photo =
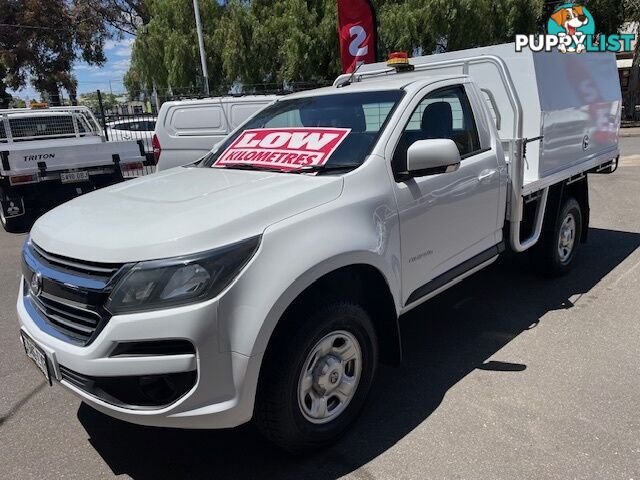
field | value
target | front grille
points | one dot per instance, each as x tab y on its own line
78	323
106	270
70	303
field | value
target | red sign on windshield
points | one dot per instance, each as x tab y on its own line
283	148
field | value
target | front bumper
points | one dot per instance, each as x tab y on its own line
225	383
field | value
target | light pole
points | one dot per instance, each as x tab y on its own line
203	56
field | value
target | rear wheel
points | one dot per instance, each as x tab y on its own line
557	249
316	376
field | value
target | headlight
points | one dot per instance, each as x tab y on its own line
177	281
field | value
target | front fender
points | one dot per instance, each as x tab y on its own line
297	251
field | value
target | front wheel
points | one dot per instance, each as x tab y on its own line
316	375
557	248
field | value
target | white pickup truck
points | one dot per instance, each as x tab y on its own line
50	155
267	282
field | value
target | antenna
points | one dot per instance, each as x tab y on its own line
353	74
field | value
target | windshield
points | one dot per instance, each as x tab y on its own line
325	132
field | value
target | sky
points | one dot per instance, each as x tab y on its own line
91	78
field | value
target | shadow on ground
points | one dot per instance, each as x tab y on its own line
444	340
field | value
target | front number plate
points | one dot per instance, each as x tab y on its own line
73	177
35	353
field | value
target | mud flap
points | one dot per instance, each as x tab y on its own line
12	207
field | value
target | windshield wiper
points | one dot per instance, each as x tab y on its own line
325	168
307	169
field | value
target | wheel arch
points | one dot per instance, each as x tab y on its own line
558	194
360	281
580	191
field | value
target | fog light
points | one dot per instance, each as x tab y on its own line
159	389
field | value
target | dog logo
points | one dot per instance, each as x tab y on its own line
572	22
572	29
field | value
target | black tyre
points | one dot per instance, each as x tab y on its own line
316	375
558	246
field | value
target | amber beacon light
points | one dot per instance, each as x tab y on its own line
399	61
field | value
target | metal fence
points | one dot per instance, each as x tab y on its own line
130	121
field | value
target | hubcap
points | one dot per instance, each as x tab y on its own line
330	377
567	238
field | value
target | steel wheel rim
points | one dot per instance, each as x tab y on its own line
567	238
330	376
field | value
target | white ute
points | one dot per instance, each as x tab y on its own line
267	281
50	155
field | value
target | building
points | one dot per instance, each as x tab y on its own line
625	60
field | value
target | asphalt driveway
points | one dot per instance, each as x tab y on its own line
507	375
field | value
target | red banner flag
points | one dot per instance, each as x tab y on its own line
358	35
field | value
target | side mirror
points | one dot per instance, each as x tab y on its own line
429	157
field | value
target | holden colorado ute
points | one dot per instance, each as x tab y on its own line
266	282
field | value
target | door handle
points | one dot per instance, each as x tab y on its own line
485	174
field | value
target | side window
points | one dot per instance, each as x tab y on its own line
148	126
367	117
83	126
285	119
375	115
445	113
197	120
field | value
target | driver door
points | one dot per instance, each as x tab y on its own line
448	221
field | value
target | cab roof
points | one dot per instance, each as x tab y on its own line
390	81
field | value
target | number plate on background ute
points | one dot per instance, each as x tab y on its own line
72	177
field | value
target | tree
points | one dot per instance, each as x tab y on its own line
5	97
165	52
109	101
40	40
430	25
283	41
278	41
17	103
124	16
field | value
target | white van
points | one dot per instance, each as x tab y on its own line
188	129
